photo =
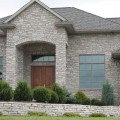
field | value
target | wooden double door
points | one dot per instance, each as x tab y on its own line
43	76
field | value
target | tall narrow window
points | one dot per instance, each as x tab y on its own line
92	71
1	68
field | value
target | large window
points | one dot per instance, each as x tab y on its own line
1	68
92	71
43	58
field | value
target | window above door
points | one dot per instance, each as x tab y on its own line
43	58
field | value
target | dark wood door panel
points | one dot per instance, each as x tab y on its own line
50	76
43	76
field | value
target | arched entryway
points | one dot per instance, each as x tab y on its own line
39	63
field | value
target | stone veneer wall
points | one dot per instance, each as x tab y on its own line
34	25
93	44
3	53
22	108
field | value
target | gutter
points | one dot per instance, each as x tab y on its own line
71	30
4	28
7	26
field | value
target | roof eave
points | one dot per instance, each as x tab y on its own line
7	26
71	30
67	25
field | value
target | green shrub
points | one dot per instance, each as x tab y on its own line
71	114
37	114
22	92
60	92
81	98
41	94
98	115
86	101
1	114
108	94
6	92
70	98
96	102
54	97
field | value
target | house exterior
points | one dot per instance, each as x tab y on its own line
67	46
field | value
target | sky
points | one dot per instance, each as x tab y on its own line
103	8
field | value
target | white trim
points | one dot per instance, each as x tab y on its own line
28	4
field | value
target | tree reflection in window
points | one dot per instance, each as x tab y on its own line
43	58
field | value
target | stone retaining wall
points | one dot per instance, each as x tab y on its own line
22	108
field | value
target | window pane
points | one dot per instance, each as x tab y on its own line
1	60
82	59
85	66
85	85
52	58
85	73
97	85
98	73
92	71
98	79
46	58
92	59
98	67
101	58
43	58
89	59
85	79
40	59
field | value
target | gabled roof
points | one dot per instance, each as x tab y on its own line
28	4
83	22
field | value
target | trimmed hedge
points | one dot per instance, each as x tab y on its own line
22	92
6	92
54	97
97	102
81	98
60	92
41	94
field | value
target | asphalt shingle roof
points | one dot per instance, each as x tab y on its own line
116	20
84	21
4	19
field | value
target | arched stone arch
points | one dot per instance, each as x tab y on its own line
20	60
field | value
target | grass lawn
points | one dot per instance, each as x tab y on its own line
51	118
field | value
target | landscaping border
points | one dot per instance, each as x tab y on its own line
22	108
